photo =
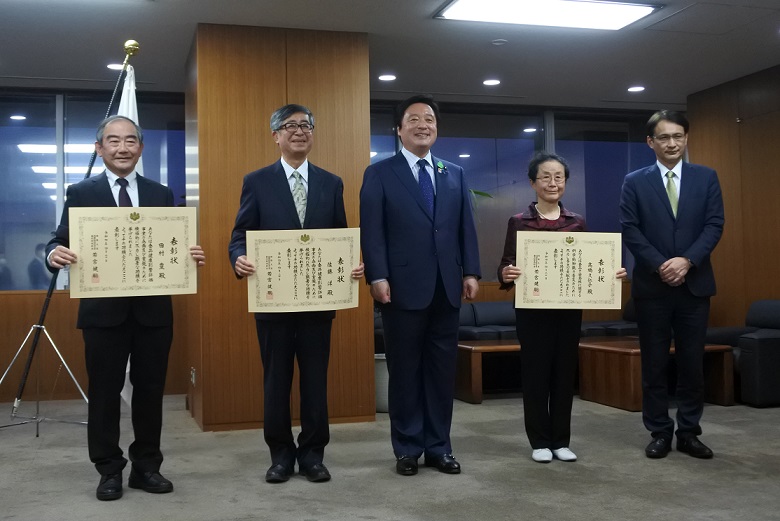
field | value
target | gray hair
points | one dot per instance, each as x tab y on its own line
103	124
281	114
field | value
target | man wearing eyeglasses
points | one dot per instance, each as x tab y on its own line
672	218
292	194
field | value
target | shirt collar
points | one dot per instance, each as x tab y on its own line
412	159
303	169
677	169
112	177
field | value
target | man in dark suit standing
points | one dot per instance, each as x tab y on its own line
672	218
292	194
36	269
420	249
115	329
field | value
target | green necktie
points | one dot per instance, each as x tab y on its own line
671	191
299	196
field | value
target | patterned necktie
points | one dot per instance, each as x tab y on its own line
671	191
124	196
299	196
426	186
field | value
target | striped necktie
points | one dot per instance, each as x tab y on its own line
671	191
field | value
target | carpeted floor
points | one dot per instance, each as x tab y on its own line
219	476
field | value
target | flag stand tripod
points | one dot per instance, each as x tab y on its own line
131	47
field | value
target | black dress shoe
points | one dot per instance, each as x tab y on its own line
317	473
658	448
278	473
110	487
692	446
406	466
149	482
445	463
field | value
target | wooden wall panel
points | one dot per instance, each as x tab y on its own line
714	138
735	128
760	156
48	379
238	77
328	72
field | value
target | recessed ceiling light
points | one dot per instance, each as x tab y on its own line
115	66
499	41
490	83
529	130
636	88
465	155
18	117
555	13
387	77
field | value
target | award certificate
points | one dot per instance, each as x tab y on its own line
303	270
568	270
130	252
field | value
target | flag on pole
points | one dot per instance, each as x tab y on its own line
128	107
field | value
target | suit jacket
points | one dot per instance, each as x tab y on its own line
155	311
403	243
267	204
654	235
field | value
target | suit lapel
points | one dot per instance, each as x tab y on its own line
653	176
101	191
314	194
687	180
442	191
405	176
280	185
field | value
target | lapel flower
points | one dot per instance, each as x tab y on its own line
440	167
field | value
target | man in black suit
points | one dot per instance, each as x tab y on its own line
292	194
420	248
672	218
115	329
36	269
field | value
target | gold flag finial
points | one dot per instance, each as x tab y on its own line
131	48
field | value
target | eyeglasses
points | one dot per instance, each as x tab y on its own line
665	138
293	127
559	179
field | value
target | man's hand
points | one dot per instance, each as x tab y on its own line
470	288
198	255
621	273
673	271
380	291
61	257
243	267
357	273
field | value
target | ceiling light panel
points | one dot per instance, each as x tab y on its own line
551	13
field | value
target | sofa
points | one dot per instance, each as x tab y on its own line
756	353
496	321
625	327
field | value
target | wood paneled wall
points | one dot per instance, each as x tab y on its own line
735	129
238	77
48	379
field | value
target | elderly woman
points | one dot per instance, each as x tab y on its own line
549	337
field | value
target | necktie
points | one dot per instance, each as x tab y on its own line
426	186
671	191
299	196
124	196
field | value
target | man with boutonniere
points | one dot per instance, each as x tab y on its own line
420	251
